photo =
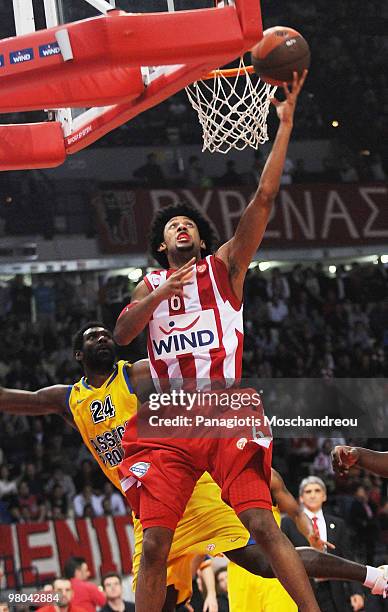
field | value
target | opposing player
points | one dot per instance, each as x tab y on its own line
344	457
99	405
210	308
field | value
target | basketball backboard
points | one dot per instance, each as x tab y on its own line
115	59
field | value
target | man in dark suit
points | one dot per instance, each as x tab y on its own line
332	596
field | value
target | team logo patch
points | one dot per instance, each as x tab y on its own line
210	547
241	443
140	469
201	269
155	280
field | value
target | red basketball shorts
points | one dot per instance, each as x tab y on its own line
158	475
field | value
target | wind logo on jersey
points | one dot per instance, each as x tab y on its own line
184	333
140	469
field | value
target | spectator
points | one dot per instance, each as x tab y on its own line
59	478
87	498
362	518
31	503
112	585
231	178
63	588
277	310
87	596
116	500
195	174
222	589
150	174
7	486
332	596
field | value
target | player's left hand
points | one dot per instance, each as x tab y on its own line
286	108
316	542
210	604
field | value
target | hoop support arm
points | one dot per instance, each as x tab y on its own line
31	145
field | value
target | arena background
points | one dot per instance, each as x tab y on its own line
73	245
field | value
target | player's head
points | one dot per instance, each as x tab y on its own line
178	230
94	347
62	586
76	567
111	583
312	493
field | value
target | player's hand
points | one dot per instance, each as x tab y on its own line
316	542
210	604
286	108
178	280
343	457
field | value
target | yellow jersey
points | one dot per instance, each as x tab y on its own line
101	414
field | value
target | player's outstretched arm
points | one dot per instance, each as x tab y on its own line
50	400
137	314
238	253
343	457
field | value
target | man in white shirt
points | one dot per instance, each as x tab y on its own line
331	596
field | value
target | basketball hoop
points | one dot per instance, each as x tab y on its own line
232	107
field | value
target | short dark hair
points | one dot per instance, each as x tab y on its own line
164	215
78	338
71	565
110	575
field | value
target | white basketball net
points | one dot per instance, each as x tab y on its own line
232	110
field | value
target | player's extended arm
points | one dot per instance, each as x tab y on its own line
50	400
238	252
344	457
137	314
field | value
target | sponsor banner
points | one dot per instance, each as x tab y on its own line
303	216
22	55
49	49
105	542
259	408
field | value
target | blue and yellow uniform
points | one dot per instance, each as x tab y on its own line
208	525
101	414
249	592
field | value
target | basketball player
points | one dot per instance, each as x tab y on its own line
343	457
99	405
159	475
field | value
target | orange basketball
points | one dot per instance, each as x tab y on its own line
280	52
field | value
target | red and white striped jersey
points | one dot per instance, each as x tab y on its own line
198	337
